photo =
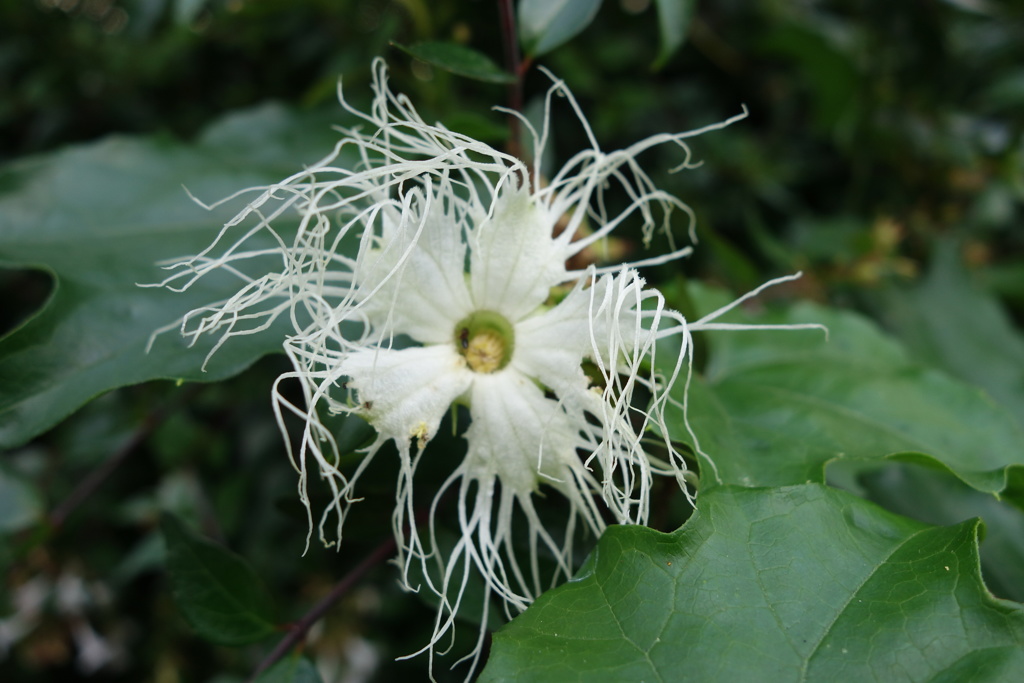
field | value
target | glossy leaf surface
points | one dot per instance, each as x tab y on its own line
791	584
98	218
775	406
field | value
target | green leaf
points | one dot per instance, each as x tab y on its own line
216	590
673	22
459	59
775	406
938	498
804	583
951	323
98	218
546	24
21	506
291	670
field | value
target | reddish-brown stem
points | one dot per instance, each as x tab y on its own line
515	66
298	630
97	477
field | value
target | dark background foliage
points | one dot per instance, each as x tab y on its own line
880	135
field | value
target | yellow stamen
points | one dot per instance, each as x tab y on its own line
421	432
486	340
485	352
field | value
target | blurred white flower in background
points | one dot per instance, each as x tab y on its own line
436	272
71	601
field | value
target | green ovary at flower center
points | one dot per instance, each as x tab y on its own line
486	340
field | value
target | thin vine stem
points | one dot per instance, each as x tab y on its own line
515	66
299	629
99	476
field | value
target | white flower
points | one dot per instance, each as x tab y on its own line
460	293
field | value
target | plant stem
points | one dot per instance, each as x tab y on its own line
299	629
97	477
510	42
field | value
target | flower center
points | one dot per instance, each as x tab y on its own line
486	340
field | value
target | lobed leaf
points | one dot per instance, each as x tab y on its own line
938	498
774	407
97	218
948	321
789	584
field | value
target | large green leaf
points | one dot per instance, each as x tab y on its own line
950	322
98	218
790	584
546	24
938	498
216	590
775	406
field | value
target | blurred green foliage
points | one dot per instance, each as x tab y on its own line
880	135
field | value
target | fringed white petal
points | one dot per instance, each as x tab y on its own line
517	434
447	227
405	393
551	346
513	260
412	278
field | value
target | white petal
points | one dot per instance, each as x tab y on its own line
517	434
514	261
405	393
414	283
551	346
